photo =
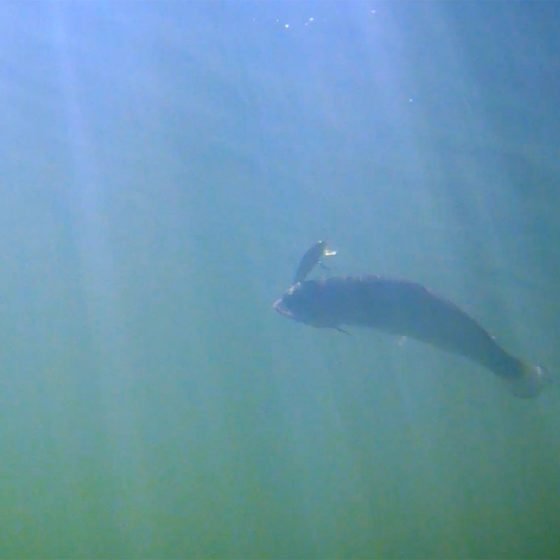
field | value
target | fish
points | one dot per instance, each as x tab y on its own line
407	309
310	259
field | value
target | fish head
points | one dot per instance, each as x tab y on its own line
304	302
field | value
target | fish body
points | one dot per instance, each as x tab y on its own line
404	308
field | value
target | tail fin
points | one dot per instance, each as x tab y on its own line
531	381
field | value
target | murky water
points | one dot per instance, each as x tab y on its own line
165	165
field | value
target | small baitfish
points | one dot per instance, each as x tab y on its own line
311	258
406	309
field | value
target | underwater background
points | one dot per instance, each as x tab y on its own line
164	167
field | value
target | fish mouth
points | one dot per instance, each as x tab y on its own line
281	308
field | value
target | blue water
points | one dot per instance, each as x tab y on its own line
164	167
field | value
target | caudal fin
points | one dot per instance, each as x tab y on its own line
531	381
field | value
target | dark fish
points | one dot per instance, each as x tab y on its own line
406	309
310	259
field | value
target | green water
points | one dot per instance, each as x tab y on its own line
164	167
